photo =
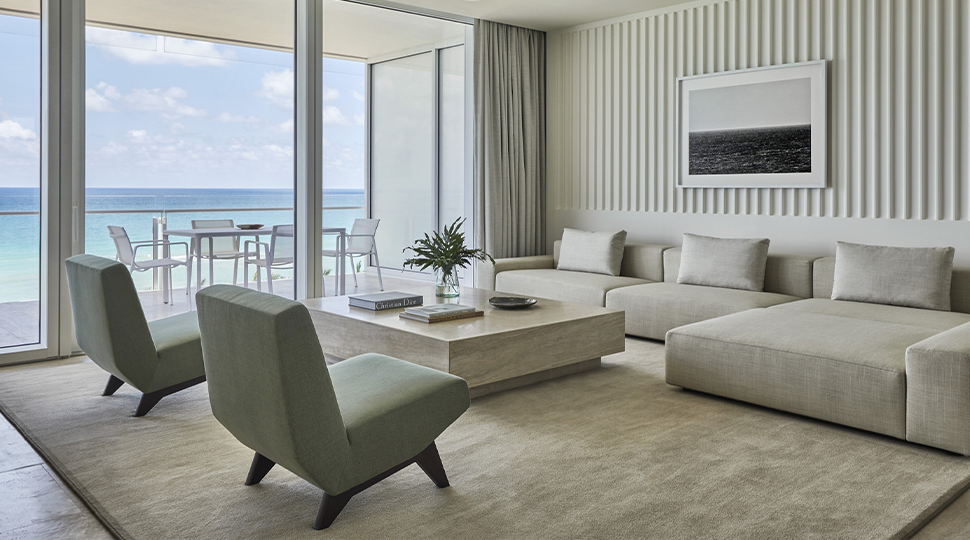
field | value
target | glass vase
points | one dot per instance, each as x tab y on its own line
446	282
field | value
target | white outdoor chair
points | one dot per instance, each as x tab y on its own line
127	253
224	248
277	255
360	243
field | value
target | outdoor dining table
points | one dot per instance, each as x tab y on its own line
197	235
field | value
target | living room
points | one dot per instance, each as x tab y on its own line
693	269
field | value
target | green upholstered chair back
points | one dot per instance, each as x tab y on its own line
269	384
108	319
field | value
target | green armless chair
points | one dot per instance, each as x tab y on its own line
158	358
342	428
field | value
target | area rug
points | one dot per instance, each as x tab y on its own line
610	453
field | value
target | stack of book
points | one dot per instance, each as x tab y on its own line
385	300
440	313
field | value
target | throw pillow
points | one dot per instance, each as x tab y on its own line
911	277
732	263
594	252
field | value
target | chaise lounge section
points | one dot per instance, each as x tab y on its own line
899	371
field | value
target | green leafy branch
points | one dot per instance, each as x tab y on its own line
445	250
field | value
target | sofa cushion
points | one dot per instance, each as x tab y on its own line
826	367
784	274
579	287
912	277
655	308
594	252
735	263
644	261
923	318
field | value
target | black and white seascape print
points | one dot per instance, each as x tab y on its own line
761	128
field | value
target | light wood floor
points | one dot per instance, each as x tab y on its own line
36	504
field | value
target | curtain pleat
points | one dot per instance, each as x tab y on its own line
510	133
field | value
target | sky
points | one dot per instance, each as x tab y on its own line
174	113
776	103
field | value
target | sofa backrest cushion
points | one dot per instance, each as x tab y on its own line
896	276
784	274
593	252
732	263
824	279
642	261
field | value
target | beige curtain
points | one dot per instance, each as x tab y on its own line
510	139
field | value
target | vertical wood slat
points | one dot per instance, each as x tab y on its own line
898	106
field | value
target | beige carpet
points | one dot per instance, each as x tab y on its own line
612	453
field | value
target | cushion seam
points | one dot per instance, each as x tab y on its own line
762	347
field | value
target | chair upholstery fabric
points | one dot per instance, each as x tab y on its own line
562	285
269	385
111	328
938	391
851	374
654	309
644	261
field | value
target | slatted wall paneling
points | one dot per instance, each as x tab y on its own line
899	106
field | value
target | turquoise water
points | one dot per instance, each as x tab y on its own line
20	235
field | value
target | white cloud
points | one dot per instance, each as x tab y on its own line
286	126
358	96
13	130
156	50
277	87
331	94
112	149
165	102
93	101
334	116
233	119
279	151
139	136
359	119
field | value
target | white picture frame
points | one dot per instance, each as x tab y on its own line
748	128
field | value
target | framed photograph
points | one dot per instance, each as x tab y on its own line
754	128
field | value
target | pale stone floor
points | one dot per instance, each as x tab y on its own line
35	504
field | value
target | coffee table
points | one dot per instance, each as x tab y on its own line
502	350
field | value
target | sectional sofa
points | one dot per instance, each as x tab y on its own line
898	371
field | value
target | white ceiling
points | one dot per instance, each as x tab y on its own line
543	14
350	29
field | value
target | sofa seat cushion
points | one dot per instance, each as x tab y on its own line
923	318
655	308
852	372
562	285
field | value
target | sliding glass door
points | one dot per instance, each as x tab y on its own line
418	153
21	243
402	152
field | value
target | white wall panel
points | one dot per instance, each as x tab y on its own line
899	106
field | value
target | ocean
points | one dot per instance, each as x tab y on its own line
772	150
20	235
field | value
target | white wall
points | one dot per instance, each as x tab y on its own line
899	122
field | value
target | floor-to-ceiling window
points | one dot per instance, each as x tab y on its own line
184	133
411	92
20	194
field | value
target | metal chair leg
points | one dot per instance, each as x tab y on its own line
353	270
235	269
377	262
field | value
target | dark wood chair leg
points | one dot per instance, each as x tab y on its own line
430	463
261	465
150	400
330	508
114	383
